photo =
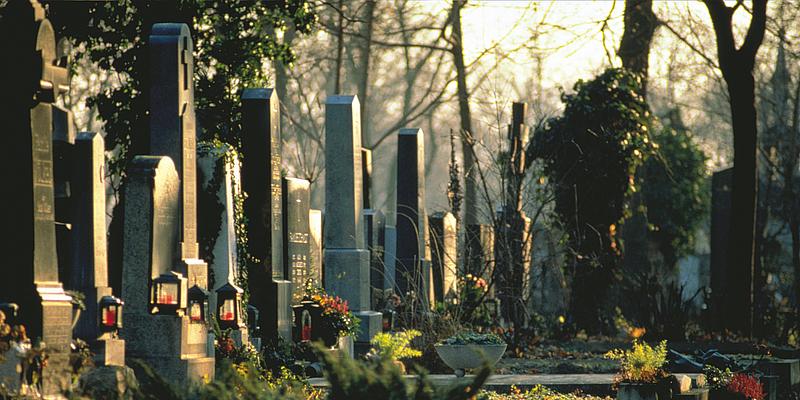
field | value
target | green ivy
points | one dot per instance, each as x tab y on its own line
590	155
676	192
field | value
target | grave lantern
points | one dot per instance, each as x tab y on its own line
253	317
198	304
168	294
305	314
110	314
229	298
388	320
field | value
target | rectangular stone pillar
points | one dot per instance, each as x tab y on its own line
270	291
346	260
412	271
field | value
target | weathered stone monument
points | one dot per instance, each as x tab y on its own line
444	256
156	327
346	260
31	82
270	291
512	246
390	256
89	258
184	352
218	168
296	243
412	271
315	246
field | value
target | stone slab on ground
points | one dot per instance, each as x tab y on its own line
596	384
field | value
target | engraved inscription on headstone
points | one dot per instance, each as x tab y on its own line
296	246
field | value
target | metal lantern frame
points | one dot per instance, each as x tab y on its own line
233	294
197	297
161	303
110	306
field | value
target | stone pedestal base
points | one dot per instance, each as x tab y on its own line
347	276
109	352
173	346
371	324
276	319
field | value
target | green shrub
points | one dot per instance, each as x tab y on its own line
641	363
395	346
473	338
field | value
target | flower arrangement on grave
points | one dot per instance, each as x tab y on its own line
735	384
336	317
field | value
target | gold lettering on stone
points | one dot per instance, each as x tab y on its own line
298	237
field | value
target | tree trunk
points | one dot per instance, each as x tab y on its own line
737	68
470	174
337	87
363	79
634	48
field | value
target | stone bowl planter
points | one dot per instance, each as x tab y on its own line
461	357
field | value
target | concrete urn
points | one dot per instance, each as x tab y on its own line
461	357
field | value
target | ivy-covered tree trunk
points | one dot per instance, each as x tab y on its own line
737	69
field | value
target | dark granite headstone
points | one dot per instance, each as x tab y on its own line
512	254
412	271
366	177
444	256
296	200
270	291
346	260
31	82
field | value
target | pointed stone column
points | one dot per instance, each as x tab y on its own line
413	272
346	260
270	291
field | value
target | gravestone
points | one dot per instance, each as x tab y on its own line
172	344
90	273
218	168
172	133
512	255
270	291
479	252
346	261
390	257
31	83
374	239
296	200
412	271
721	186
315	246
444	256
